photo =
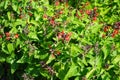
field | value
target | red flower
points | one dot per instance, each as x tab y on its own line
81	11
0	36
87	3
106	28
88	12
63	32
21	16
52	22
57	3
7	34
67	36
61	12
95	8
30	14
77	15
58	52
53	56
7	38
103	36
96	14
44	16
59	35
115	31
94	18
62	35
16	36
113	35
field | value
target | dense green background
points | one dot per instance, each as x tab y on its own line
59	40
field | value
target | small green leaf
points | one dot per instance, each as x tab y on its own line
10	47
2	59
4	49
74	35
8	14
116	59
74	50
99	61
104	11
14	67
106	76
33	35
84	61
40	55
72	71
19	22
49	34
90	73
34	22
51	58
6	4
96	28
105	51
14	7
18	42
77	78
23	59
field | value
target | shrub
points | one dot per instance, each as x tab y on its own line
62	41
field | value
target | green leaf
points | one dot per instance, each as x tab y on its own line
2	59
10	59
105	51
90	73
6	4
59	20
72	71
34	22
19	22
51	58
24	59
116	59
14	7
37	17
14	67
74	50
104	11
77	78
10	47
96	28
99	62
40	55
2	4
14	30
79	62
17	43
74	35
33	35
8	14
106	76
85	41
84	61
4	49
49	34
